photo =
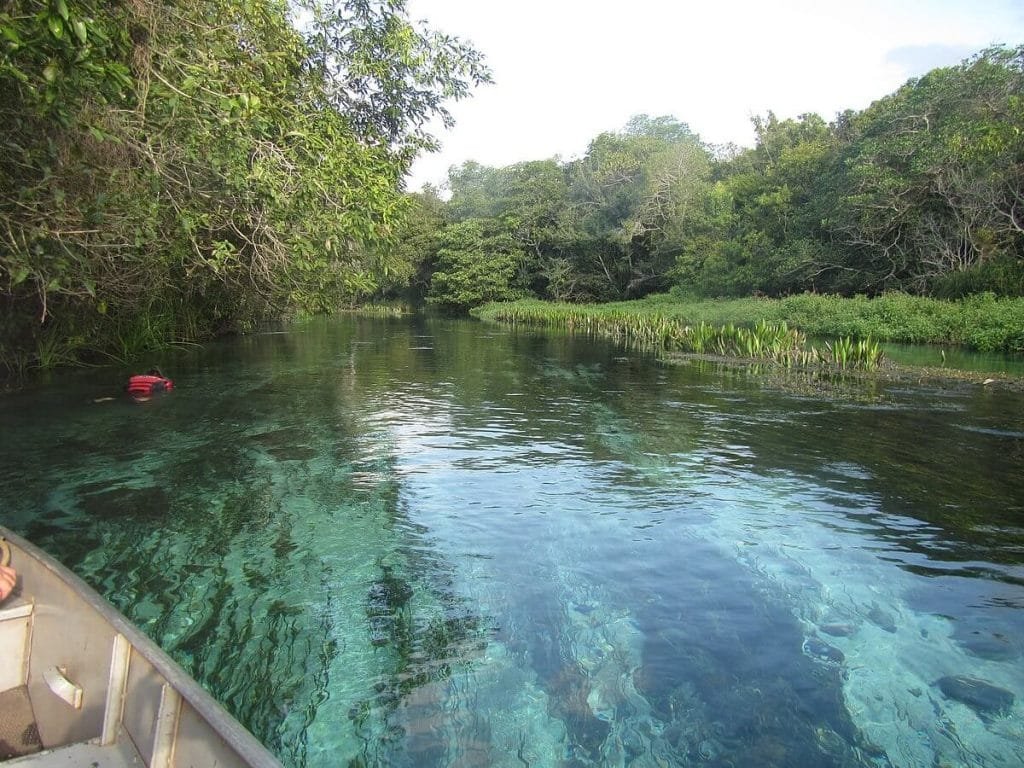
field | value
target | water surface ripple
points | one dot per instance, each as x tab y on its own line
437	543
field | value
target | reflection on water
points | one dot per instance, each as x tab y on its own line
440	543
952	356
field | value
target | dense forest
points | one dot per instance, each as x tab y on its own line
922	192
171	171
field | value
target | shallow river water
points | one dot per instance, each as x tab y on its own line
440	543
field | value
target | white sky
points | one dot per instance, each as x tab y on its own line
566	70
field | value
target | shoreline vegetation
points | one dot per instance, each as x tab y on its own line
177	172
159	189
776	331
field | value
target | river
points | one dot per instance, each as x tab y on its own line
427	542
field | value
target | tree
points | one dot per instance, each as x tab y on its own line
760	227
625	195
417	240
386	75
476	191
170	170
473	267
934	175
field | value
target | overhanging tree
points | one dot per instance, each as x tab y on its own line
171	169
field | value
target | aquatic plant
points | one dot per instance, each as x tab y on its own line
846	353
388	309
635	325
984	321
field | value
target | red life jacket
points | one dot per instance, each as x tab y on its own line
145	385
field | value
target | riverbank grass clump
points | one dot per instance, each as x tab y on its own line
382	309
983	322
641	324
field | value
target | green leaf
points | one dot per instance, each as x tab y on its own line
56	26
11	34
19	275
62	9
78	27
50	72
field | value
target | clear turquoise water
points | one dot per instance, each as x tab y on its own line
439	543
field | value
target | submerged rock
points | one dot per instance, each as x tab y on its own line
882	618
819	649
984	698
992	646
839	629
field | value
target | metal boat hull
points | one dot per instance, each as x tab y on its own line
96	684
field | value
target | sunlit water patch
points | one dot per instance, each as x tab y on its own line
414	544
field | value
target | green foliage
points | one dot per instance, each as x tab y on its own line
921	192
56	57
528	202
630	200
414	252
473	268
643	324
983	322
387	76
846	353
763	228
169	171
1002	275
930	182
603	227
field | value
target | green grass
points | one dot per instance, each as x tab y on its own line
983	322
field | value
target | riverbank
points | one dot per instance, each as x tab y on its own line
983	322
667	324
